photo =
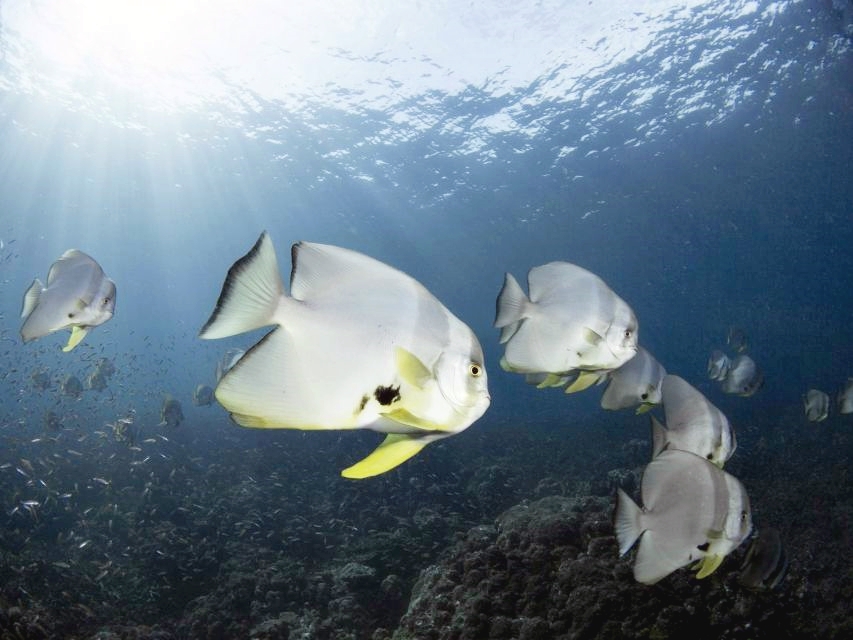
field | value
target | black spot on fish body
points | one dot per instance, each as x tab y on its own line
386	395
363	403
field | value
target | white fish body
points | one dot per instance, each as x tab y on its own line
744	377
692	512
718	365
637	382
359	344
816	405
572	320
78	296
692	424
845	398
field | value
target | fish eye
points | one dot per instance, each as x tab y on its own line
644	396
71	314
475	370
628	333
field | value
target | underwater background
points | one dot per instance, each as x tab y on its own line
698	156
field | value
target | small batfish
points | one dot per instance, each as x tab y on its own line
71	386
40	380
816	405
766	562
203	396
744	378
637	382
718	365
358	345
692	424
96	381
171	413
737	340
78	296
571	321
845	398
693	512
106	367
228	360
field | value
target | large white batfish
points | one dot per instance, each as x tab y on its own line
637	383
692	424
693	512
360	345
572	321
78	296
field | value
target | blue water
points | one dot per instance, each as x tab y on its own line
707	176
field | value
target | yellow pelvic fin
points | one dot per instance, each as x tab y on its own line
395	449
709	564
552	380
584	381
644	408
409	419
411	369
77	334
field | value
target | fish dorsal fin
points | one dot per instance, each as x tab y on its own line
659	437
77	334
62	263
584	380
250	295
411	368
31	298
395	449
320	270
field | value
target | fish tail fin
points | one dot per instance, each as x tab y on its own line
77	335
627	522
250	295
659	440
395	449
511	307
31	298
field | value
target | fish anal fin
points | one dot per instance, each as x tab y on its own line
395	450
411	368
77	334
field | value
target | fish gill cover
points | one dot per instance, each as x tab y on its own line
694	155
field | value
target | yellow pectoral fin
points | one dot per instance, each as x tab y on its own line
77	334
394	451
709	564
584	381
411	369
411	420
